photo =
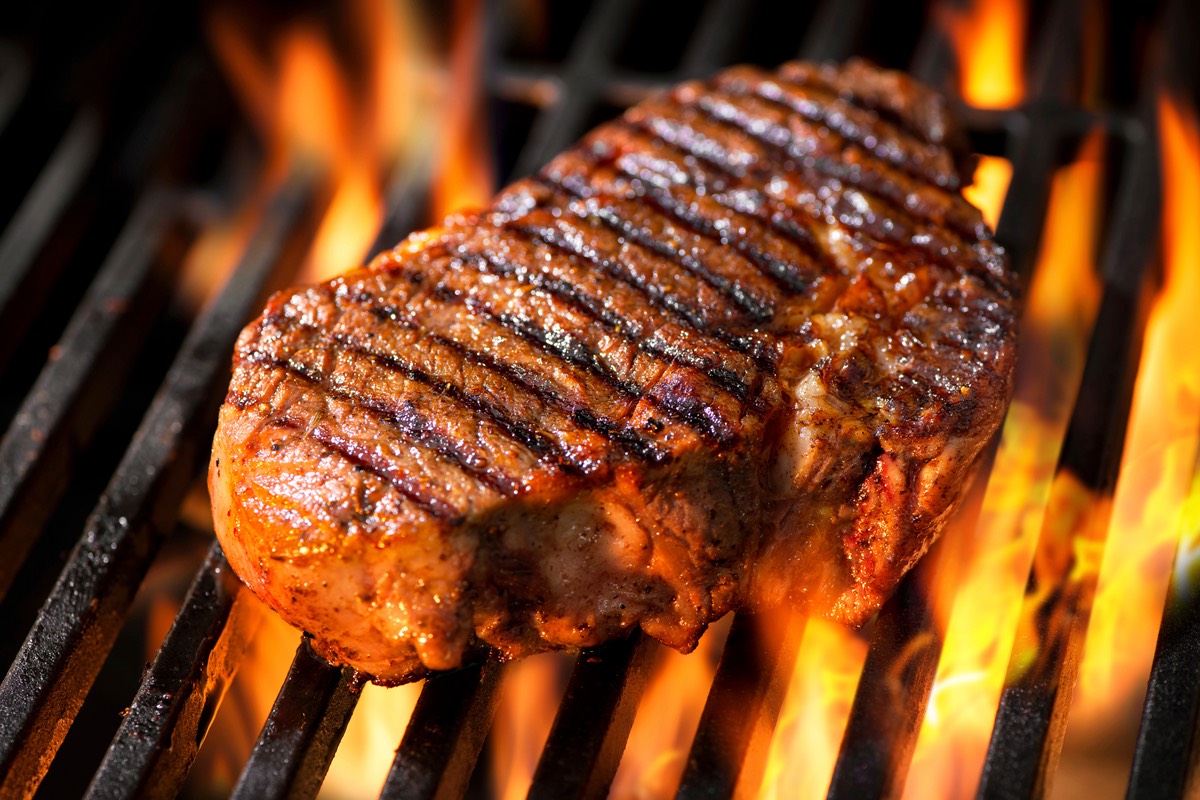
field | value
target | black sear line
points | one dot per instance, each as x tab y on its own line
628	439
413	425
570	350
616	324
756	310
436	506
781	221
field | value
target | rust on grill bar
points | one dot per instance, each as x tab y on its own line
121	140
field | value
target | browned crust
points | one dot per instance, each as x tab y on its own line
743	344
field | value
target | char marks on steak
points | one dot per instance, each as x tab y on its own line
742	345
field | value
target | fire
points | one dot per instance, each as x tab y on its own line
1061	308
992	176
989	37
815	712
464	177
367	748
354	127
667	718
352	94
1160	450
532	690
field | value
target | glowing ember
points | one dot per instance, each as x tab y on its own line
988	36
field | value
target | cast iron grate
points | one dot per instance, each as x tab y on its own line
151	146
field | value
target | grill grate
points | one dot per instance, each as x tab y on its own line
160	170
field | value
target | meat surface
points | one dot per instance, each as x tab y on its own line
741	346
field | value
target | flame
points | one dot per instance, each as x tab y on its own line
1160	449
667	718
464	174
987	193
1061	308
532	690
989	38
311	109
815	712
368	747
351	93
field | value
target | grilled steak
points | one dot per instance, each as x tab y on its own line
742	345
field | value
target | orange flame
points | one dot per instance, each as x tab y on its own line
359	110
1061	308
987	193
523	719
815	712
1160	451
310	109
464	175
989	38
667	718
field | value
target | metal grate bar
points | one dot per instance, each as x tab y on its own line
14	79
302	733
577	85
75	629
715	35
892	695
31	225
835	30
729	752
593	722
1031	720
80	382
445	734
1164	763
160	735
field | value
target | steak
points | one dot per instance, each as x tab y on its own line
741	346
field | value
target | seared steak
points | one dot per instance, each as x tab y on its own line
741	345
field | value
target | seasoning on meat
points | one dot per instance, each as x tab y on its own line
741	346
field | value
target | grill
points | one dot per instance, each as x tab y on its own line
118	157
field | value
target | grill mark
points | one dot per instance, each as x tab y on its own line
884	202
848	130
629	440
781	220
687	316
614	323
949	209
779	271
811	79
621	435
889	196
350	450
755	310
413	426
575	352
539	443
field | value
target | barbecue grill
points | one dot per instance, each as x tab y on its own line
117	156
